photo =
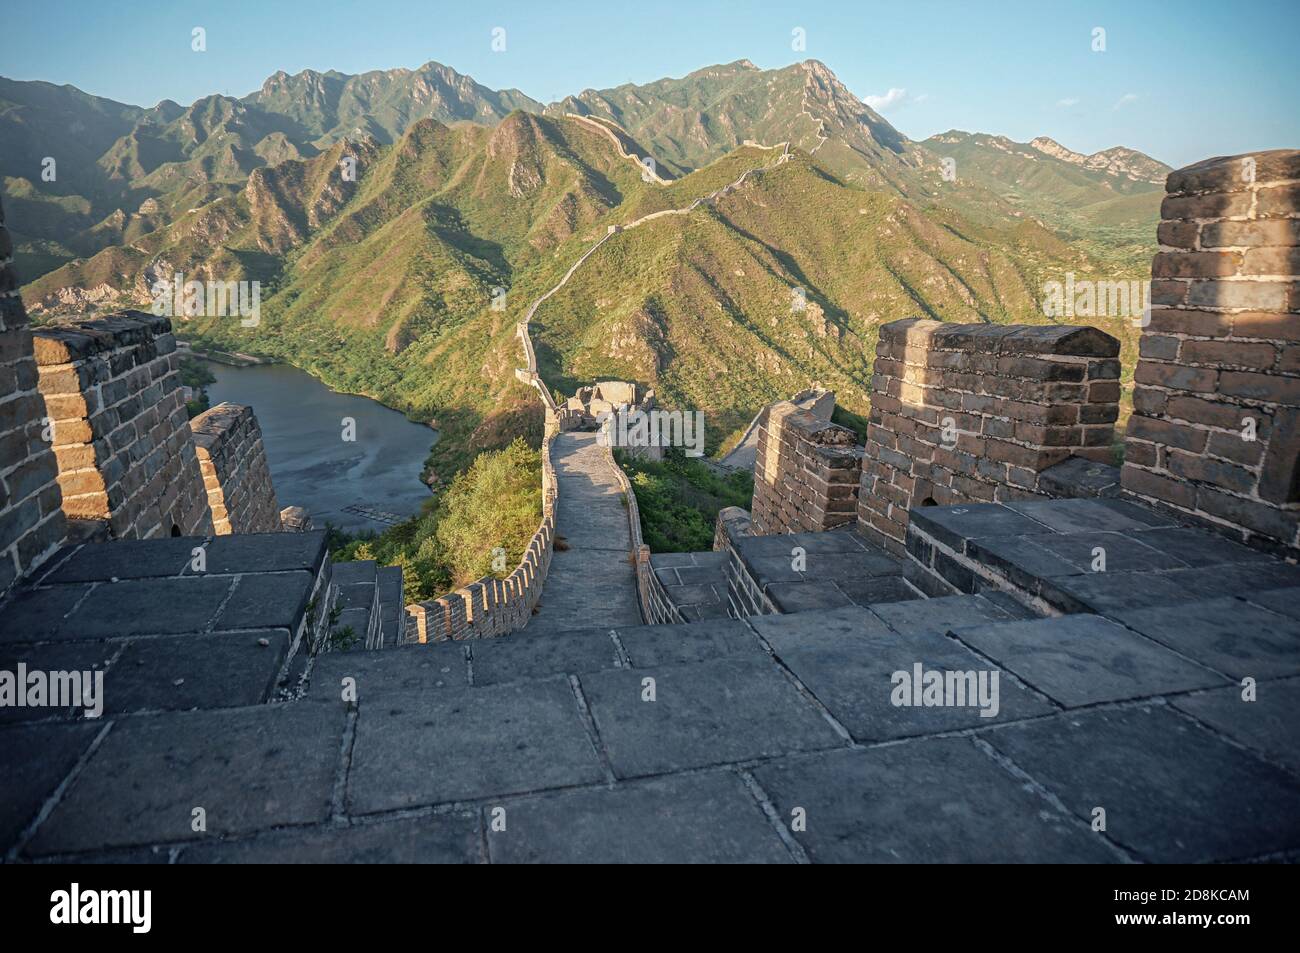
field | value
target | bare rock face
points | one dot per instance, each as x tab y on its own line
640	341
1117	161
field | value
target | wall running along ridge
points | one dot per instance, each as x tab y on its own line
32	524
490	606
232	459
1215	431
976	412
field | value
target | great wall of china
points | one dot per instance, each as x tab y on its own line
980	527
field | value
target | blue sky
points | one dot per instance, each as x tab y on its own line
1178	80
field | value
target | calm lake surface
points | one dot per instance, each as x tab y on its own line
311	464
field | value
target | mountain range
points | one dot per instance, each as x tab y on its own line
811	220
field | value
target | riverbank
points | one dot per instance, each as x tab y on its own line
350	460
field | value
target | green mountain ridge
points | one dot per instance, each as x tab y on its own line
407	284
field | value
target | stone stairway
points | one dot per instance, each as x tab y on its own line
370	602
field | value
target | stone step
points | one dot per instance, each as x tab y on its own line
392	608
523	657
357	599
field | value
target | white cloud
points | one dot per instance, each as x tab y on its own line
893	98
1126	99
1070	101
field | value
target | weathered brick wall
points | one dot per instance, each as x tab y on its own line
123	442
975	412
31	518
806	472
1215	432
232	458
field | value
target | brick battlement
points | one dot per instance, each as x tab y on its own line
228	440
976	412
806	472
120	432
32	524
1215	432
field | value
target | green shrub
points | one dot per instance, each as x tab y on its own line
679	499
495	503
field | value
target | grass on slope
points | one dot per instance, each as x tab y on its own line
679	499
484	522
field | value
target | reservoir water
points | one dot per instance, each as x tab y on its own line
311	464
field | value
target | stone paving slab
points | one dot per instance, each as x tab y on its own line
768	570
177	673
869	591
1085	659
703	818
705	611
700	575
731	709
407	668
432	839
671	560
356	595
268	600
1237	579
1085	516
690	594
938	800
1269	724
806	596
123	559
1172	792
265	552
249	768
756	547
525	656
34	615
150	607
353	572
36	759
953	525
939	615
1282	601
649	646
358	621
847	659
56	657
1109	592
1122	553
389	580
1196	547
1021	560
1228	635
424	748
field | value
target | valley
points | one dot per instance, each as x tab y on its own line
401	223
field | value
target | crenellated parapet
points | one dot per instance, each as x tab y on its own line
119	426
232	458
32	524
1215	431
965	413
